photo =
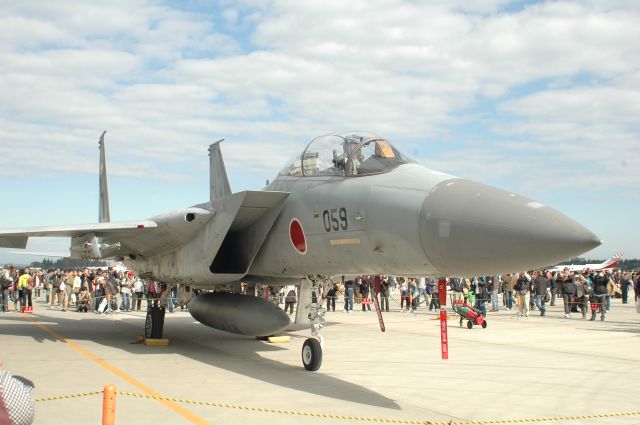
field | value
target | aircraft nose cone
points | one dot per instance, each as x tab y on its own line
470	229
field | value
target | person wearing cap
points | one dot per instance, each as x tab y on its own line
16	403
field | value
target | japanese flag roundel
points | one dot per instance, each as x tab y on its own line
296	235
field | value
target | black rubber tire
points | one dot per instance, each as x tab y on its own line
148	325
484	324
469	324
311	354
154	323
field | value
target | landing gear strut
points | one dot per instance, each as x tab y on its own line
312	347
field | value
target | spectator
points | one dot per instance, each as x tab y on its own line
6	281
493	286
290	301
348	296
25	286
422	292
84	300
482	294
98	294
568	290
625	282
331	297
599	297
138	290
582	294
509	286
126	288
56	296
68	289
540	284
384	293
111	289
365	289
612	288
457	288
523	285
152	298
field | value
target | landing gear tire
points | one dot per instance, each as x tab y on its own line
469	324
312	354
154	323
484	324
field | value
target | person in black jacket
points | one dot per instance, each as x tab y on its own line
599	295
522	288
540	284
568	290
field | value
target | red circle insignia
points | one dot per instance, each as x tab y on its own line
296	235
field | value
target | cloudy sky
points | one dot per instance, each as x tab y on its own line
541	98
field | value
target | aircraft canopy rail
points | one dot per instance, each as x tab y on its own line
349	154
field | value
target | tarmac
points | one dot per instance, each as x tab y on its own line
535	370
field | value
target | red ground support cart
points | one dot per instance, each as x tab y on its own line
473	315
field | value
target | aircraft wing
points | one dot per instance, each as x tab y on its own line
18	237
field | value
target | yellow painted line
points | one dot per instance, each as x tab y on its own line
335	242
191	417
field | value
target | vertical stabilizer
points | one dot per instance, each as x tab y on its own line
218	181
104	215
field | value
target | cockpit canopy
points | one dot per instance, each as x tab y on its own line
345	154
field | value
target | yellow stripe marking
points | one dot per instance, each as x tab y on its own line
335	242
191	417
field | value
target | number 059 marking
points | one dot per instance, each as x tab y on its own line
335	219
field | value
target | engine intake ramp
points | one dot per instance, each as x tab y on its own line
247	231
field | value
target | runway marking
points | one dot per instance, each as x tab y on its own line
353	418
151	393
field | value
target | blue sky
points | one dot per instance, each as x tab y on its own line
540	98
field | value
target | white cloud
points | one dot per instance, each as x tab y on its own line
532	82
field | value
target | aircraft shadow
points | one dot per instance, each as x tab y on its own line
235	353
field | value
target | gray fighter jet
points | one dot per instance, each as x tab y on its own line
350	203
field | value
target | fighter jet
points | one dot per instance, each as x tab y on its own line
349	203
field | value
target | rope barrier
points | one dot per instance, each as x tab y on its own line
345	417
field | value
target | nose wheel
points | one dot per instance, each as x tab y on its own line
312	354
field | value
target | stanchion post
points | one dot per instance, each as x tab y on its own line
109	405
444	339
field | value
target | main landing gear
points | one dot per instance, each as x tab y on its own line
154	323
312	347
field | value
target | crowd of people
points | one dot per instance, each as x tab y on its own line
105	291
101	291
580	291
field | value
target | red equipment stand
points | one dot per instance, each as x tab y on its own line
26	309
444	338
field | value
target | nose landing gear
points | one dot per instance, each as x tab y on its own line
312	347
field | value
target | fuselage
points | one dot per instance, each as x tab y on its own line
413	221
